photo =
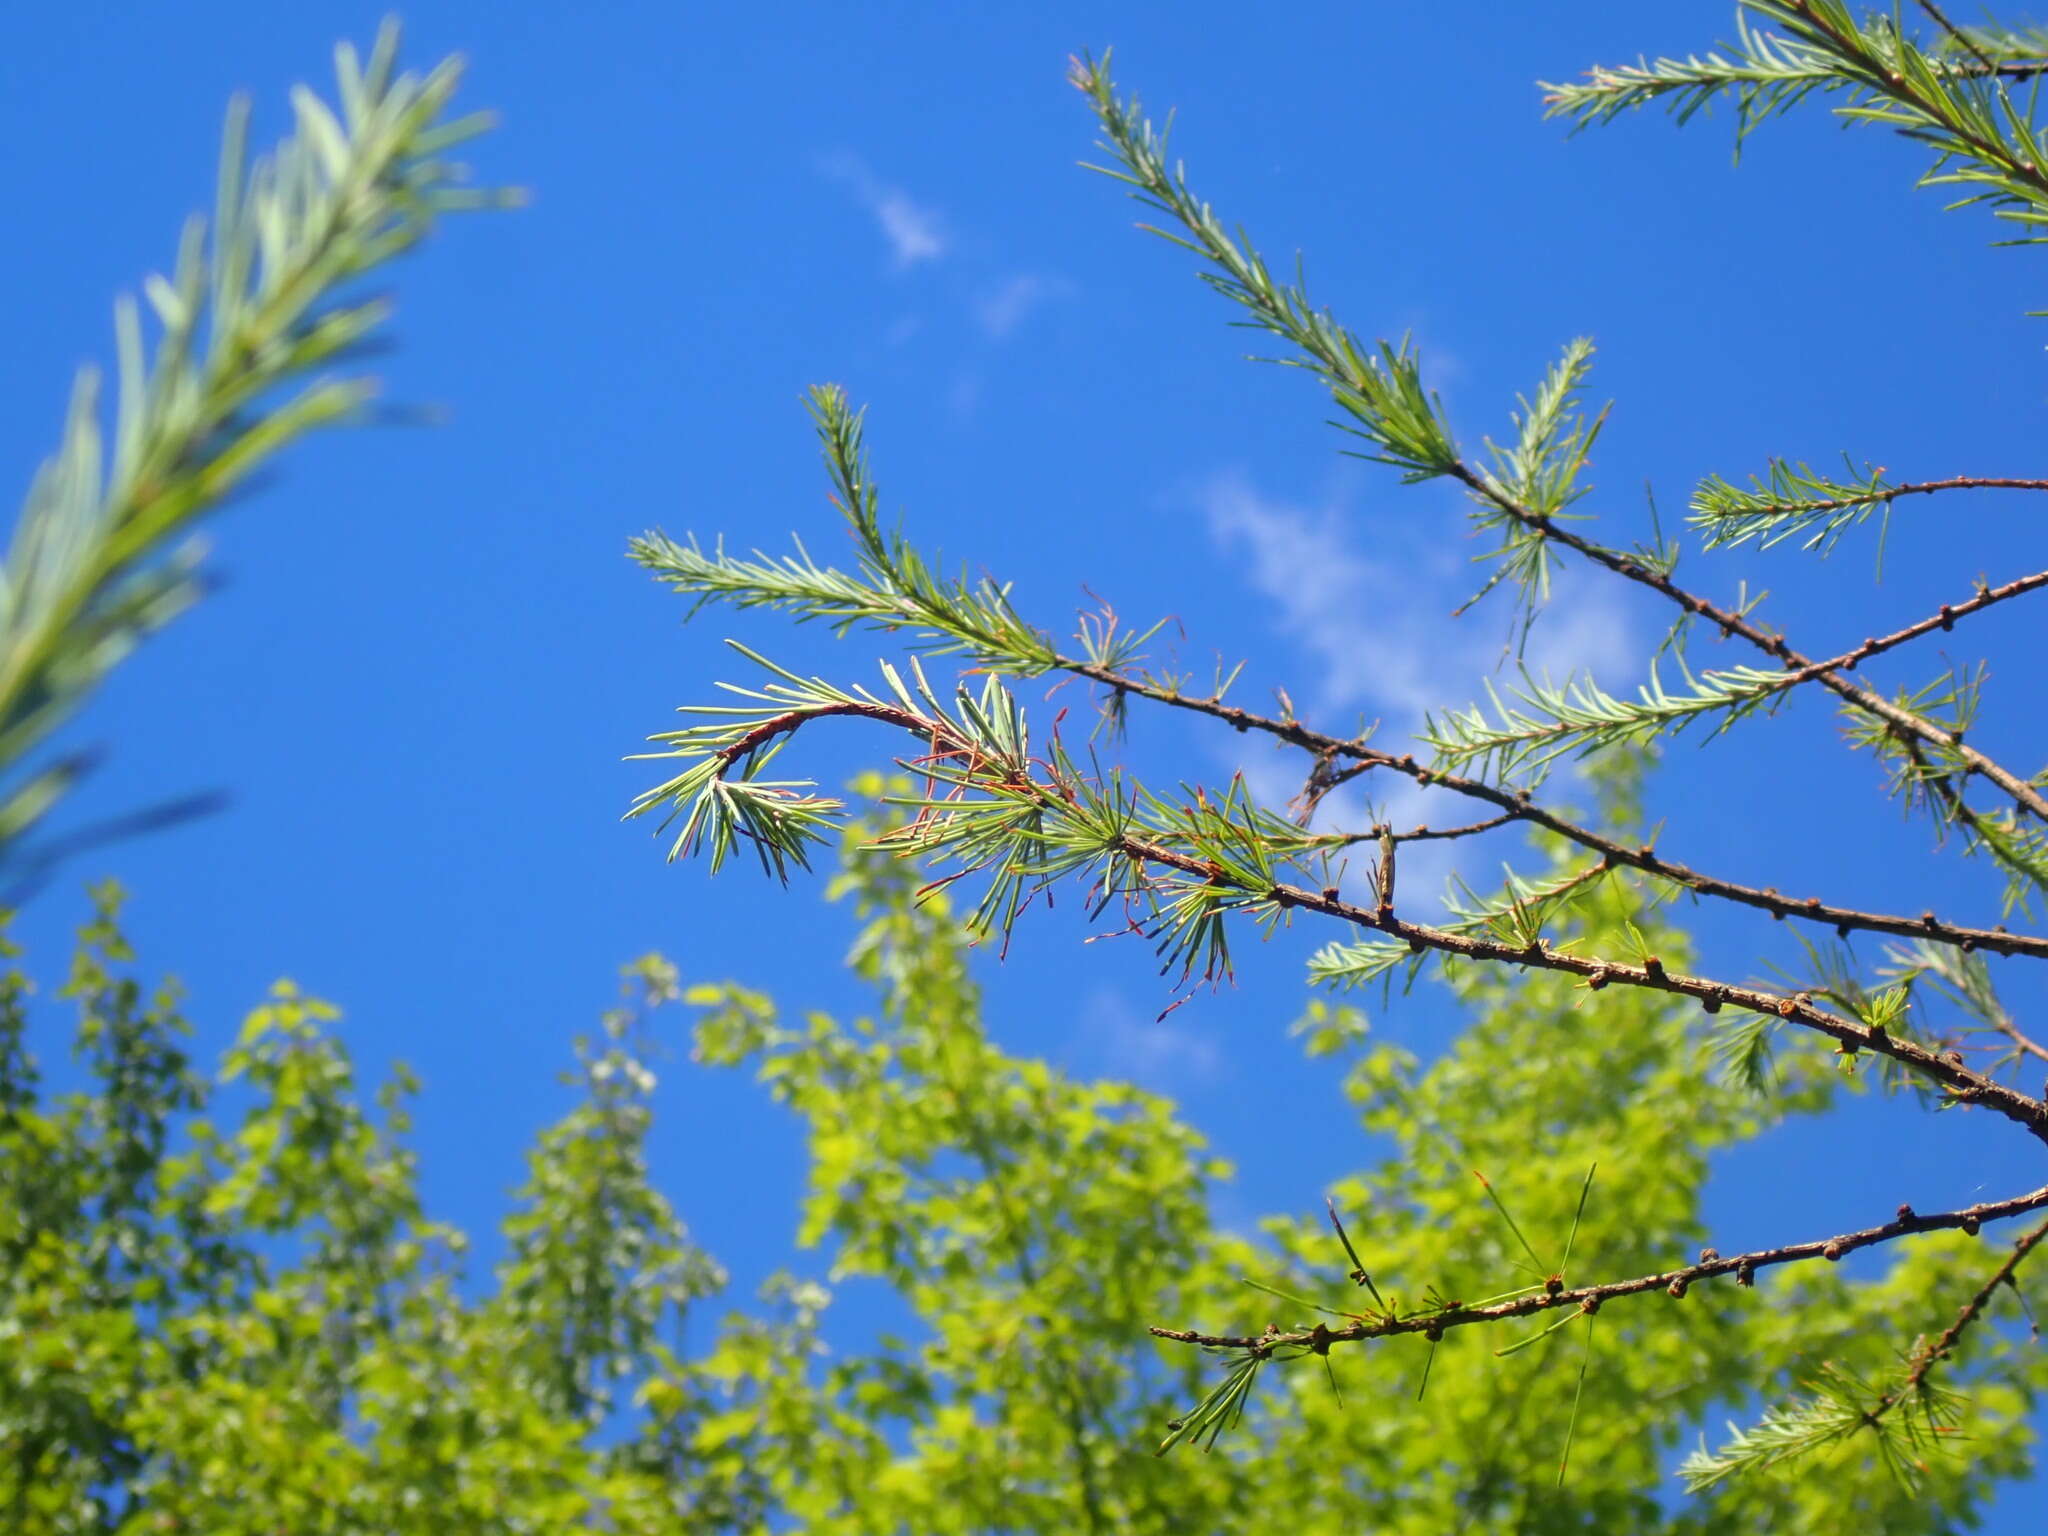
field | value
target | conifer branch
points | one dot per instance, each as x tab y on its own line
96	563
1981	140
1181	870
1435	1320
1799	668
896	588
1768	75
1520	805
1966	980
1791	500
1019	816
1837	1407
1943	619
1579	718
1358	962
1925	1359
1524	498
980	621
1380	387
1906	1418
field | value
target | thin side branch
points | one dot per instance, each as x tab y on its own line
1959	37
1944	618
2022	1044
1926	1359
1891	493
1434	1322
1799	667
1421	834
1518	804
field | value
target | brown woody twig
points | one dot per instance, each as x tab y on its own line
1894	492
1674	1282
1732	622
1522	807
1962	39
1926	1358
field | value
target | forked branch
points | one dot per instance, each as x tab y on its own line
1027	821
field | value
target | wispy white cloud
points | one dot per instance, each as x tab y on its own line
914	232
1378	625
1375	628
1005	307
1359	618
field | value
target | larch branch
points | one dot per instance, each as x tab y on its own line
1643	857
1674	1282
1946	1069
1924	1360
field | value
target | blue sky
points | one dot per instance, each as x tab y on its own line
430	656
